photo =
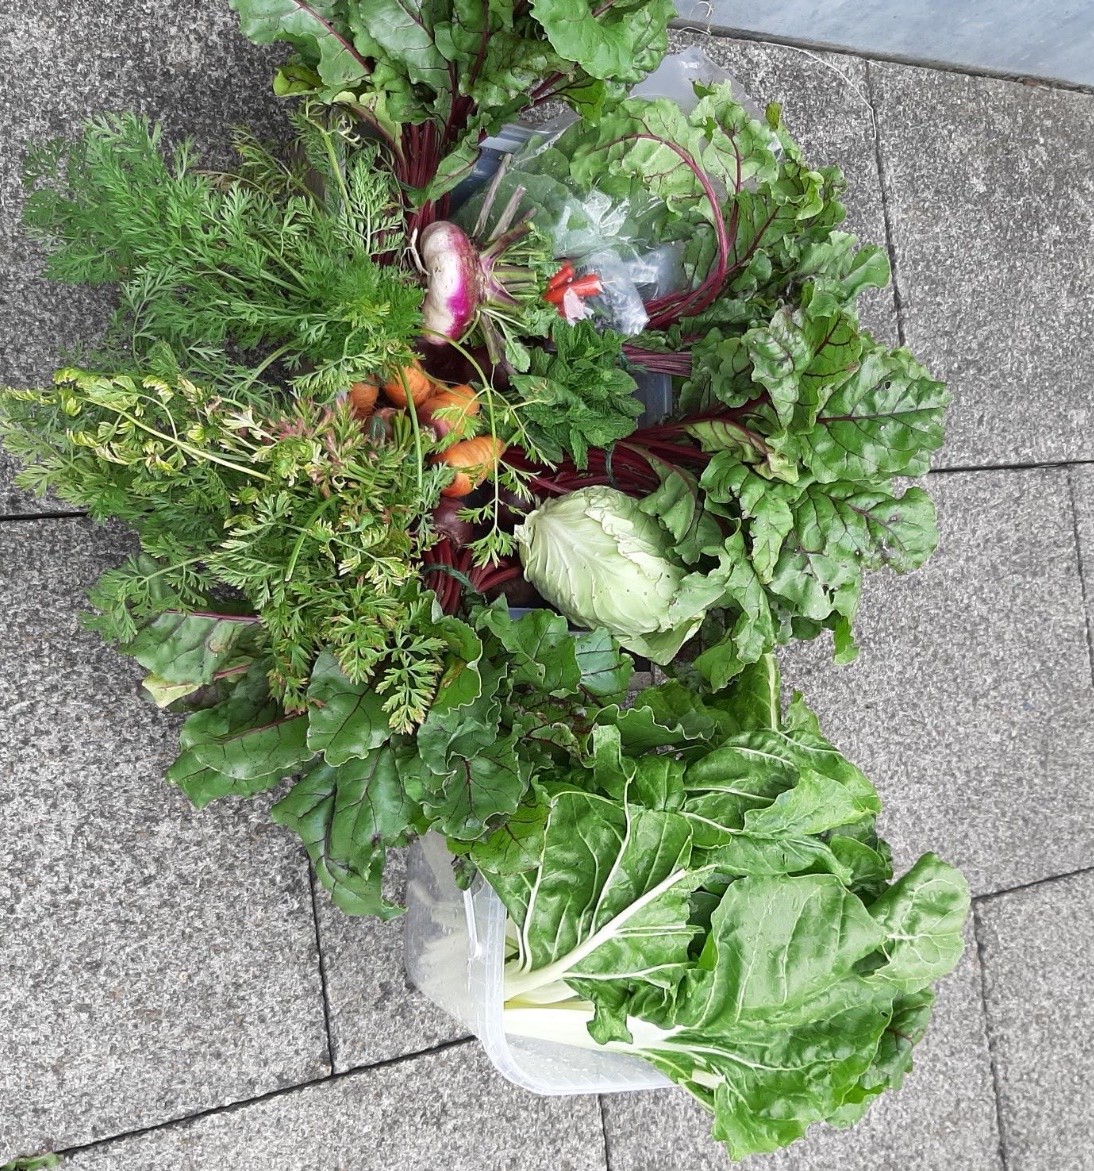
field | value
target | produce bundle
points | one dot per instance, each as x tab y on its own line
404	530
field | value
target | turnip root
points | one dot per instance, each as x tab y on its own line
471	285
454	287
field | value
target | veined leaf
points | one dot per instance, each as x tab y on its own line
476	792
346	817
801	359
402	31
203	784
751	631
543	653
753	701
183	652
884	421
605	670
766	1086
461	683
678	505
906	1028
248	736
445	736
766	505
667	715
866	524
611	896
770	965
747	856
314	28
345	720
619	43
923	915
517	847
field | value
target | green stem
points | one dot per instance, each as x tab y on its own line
336	166
298	544
182	445
263	366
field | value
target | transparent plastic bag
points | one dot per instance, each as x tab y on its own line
455	954
677	75
615	238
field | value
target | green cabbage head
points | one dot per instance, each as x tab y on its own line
602	562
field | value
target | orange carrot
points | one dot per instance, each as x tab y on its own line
450	409
411	383
472	460
362	397
456	396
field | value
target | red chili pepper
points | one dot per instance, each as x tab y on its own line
588	285
554	296
563	277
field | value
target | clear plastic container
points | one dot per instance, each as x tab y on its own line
455	954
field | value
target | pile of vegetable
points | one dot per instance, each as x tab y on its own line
376	425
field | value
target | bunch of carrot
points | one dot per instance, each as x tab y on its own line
445	409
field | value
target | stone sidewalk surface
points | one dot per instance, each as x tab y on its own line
175	995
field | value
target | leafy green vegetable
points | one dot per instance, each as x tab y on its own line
432	78
347	720
577	397
346	817
604	562
280	255
491	739
186	652
725	911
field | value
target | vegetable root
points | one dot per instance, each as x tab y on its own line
362	397
451	410
455	281
472	460
409	384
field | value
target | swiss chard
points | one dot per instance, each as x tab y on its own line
725	911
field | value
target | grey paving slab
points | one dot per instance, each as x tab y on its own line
991	199
156	961
1038	949
445	1110
942	1119
826	106
970	705
182	63
375	1012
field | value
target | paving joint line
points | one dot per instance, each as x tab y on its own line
998	894
1082	574
1012	467
989	1036
17	516
883	183
604	1133
322	966
246	1103
690	24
